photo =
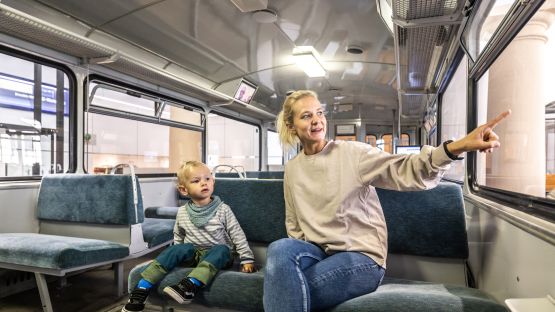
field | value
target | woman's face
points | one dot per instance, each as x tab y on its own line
309	121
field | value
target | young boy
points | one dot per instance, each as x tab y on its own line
205	233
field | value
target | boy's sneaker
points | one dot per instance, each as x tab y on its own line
137	300
182	292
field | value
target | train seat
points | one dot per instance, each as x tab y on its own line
428	249
85	221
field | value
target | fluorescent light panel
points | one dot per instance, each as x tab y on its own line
307	59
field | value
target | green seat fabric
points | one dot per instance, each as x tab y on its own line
88	198
243	292
412	296
417	222
57	252
157	231
258	205
230	289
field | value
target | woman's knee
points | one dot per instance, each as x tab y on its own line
281	245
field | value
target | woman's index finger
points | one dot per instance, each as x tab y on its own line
495	121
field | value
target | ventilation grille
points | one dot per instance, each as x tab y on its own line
20	26
30	30
414	9
420	49
12	282
426	33
139	71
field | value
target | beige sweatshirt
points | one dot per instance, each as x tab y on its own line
330	197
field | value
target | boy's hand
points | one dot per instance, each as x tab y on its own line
248	268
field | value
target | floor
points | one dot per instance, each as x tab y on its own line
92	291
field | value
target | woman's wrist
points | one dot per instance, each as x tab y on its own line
453	149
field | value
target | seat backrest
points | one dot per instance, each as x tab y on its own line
426	223
87	198
258	205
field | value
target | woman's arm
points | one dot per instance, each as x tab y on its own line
291	222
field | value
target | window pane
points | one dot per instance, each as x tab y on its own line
275	154
520	79
489	16
371	139
179	114
232	143
120	100
453	115
34	137
150	147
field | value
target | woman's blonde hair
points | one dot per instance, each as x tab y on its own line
285	118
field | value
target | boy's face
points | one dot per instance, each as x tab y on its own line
199	185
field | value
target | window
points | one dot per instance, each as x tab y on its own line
491	15
520	79
34	118
371	139
386	144
122	127
233	143
453	115
275	153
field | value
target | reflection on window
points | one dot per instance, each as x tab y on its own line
151	148
453	115
275	153
386	145
154	146
34	135
489	16
521	79
371	139
233	143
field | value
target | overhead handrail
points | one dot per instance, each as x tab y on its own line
232	168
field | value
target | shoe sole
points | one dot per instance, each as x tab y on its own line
176	296
125	310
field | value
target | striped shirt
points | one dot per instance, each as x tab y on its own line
222	229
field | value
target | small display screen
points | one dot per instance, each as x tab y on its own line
245	92
408	149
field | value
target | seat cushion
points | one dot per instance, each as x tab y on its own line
157	231
230	289
57	252
243	292
161	212
412	296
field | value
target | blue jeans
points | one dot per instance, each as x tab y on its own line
300	276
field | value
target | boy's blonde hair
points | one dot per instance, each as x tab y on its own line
285	118
185	168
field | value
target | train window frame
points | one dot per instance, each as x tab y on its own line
453	68
542	208
162	99
223	114
72	108
512	22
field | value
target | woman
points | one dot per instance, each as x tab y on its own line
337	243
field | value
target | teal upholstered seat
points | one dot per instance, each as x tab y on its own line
57	252
87	198
157	231
427	224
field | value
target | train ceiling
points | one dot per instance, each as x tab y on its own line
203	48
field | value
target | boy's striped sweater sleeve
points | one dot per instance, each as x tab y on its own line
237	236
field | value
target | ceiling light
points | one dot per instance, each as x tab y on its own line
308	60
